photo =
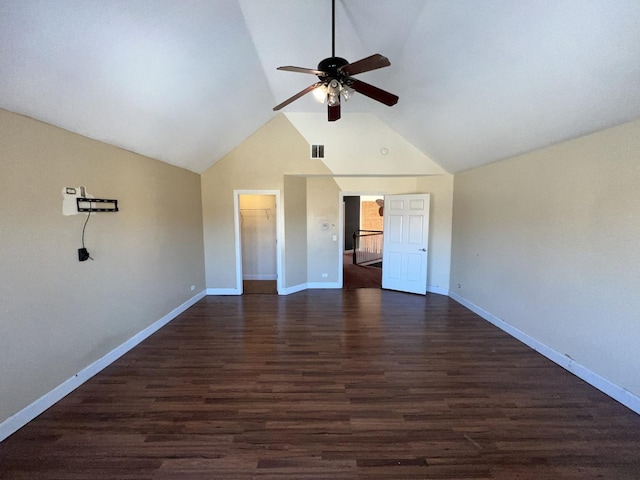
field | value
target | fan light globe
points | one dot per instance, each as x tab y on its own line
347	92
320	94
333	97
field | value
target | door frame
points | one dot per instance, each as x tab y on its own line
238	236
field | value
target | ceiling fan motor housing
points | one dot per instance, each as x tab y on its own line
331	65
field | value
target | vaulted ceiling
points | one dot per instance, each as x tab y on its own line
185	81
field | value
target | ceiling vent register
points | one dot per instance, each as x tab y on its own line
317	151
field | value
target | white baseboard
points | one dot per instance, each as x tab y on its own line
309	286
295	289
223	291
284	291
319	285
31	411
336	285
618	393
438	290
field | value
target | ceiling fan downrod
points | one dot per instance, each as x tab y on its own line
333	28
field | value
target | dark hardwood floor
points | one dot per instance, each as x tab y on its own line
329	384
249	287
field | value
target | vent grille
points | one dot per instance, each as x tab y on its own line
317	151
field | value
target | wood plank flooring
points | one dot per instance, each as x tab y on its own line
333	384
249	287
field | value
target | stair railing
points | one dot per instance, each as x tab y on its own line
367	246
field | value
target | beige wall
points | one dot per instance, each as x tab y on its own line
276	157
295	244
362	144
58	315
259	163
323	214
376	185
440	218
549	242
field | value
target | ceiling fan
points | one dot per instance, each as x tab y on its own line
335	75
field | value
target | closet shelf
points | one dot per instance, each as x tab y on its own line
257	212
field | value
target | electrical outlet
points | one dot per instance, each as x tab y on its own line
325	275
193	287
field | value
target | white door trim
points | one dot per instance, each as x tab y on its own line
238	238
340	239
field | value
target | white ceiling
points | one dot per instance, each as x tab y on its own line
185	81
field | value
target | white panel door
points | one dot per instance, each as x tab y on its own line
406	242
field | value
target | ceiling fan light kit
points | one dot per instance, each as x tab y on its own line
336	82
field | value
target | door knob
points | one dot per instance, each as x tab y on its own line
422	249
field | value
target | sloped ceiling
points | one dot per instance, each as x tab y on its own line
185	81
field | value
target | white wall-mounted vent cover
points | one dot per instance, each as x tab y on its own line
317	151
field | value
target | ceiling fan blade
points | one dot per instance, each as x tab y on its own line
290	68
297	96
366	64
373	92
333	112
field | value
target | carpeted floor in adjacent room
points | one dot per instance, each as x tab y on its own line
359	276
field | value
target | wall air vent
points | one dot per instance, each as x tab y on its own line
317	151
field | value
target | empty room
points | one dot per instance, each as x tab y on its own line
173	178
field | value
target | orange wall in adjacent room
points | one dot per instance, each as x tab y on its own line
370	218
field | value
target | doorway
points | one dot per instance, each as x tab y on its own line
363	237
257	242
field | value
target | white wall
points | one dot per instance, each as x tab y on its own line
549	242
59	315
